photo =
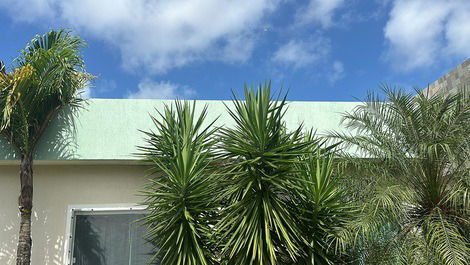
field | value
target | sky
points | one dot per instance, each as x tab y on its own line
317	50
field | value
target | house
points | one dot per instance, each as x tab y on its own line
87	178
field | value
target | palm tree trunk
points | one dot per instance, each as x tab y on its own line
25	201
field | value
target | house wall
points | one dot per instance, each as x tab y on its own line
104	133
108	129
451	82
56	187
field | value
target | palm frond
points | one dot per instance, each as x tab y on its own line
49	75
417	150
445	240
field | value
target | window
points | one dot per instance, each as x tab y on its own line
108	237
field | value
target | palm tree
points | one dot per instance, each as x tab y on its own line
48	76
181	198
415	180
257	225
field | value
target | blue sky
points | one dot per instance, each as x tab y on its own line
200	49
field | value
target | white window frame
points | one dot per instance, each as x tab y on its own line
92	209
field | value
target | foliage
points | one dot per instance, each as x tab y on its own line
181	198
256	194
323	207
48	75
260	194
257	225
417	175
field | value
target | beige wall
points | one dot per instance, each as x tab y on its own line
55	188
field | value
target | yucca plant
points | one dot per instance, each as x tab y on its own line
417	151
322	207
181	196
257	225
48	75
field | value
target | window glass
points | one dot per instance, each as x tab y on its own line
110	239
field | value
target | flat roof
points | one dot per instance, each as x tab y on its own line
108	129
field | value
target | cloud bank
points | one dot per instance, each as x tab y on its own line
300	53
420	33
161	90
156	36
320	11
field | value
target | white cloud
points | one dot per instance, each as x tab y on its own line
299	53
158	35
320	11
458	31
421	32
161	90
337	72
30	10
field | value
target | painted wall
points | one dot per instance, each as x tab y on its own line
105	133
55	188
108	129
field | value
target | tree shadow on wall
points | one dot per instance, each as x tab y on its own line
57	143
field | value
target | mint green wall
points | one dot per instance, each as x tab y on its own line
107	129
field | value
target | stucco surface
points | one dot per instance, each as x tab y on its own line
108	129
56	188
87	162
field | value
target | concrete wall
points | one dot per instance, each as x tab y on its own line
108	129
105	132
55	188
451	81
